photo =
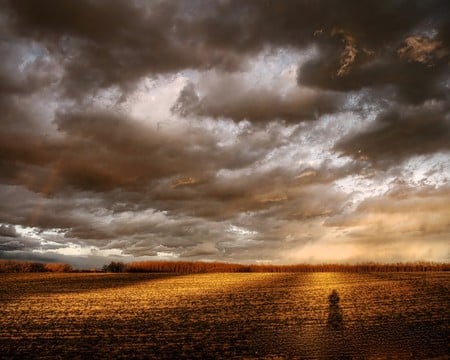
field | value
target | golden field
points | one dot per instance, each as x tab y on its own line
224	315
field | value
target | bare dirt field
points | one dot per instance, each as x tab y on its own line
254	315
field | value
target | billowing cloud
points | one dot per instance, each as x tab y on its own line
8	231
103	150
229	97
105	44
224	130
400	133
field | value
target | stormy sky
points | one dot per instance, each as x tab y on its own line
238	131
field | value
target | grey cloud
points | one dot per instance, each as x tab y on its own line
296	194
27	243
18	243
231	99
204	220
412	82
106	43
22	73
400	133
176	236
201	250
8	231
102	151
20	206
214	186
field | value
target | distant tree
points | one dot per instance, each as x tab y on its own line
194	267
28	266
58	267
115	267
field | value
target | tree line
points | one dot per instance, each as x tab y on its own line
15	266
194	267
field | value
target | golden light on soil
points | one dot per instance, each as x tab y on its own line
249	315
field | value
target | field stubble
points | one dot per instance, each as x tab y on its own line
256	315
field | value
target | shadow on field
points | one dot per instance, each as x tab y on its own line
334	321
17	286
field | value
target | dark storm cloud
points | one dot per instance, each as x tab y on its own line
79	169
11	240
195	213
410	81
387	47
19	76
8	244
147	233
222	198
92	38
126	164
8	231
279	193
400	133
102	150
106	43
231	99
23	207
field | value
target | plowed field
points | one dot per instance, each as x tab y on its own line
255	315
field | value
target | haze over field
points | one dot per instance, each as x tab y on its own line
237	131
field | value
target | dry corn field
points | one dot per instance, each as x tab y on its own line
255	315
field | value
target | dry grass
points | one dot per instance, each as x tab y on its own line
193	267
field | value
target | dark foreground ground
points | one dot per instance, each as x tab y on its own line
275	316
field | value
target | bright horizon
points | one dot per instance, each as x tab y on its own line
230	131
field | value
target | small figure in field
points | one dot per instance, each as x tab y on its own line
334	311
